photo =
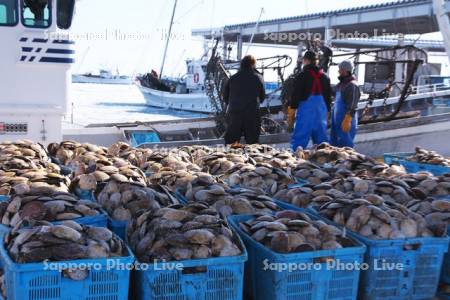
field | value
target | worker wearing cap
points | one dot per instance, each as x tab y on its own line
344	121
310	104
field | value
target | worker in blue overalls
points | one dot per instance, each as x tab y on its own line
344	120
310	104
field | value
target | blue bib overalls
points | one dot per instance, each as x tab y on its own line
338	137
311	122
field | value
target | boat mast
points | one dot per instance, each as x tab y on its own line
255	30
83	58
168	39
443	22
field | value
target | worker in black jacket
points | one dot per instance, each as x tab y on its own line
244	92
310	104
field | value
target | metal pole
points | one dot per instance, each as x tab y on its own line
400	68
357	59
254	31
443	22
168	39
239	47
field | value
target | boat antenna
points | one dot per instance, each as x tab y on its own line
168	38
254	30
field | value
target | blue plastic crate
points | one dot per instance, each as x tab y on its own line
219	278
445	275
2	237
314	284
180	197
423	259
420	258
414	167
3	228
299	183
36	282
118	227
84	194
289	206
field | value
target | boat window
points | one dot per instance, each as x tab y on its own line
8	12
65	13
36	13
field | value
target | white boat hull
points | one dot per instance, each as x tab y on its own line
195	102
100	80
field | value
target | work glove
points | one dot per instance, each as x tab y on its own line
347	123
237	145
292	112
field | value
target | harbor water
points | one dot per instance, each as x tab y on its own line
107	103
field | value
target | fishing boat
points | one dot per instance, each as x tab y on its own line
188	93
103	77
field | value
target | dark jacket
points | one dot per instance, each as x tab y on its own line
303	85
245	90
350	93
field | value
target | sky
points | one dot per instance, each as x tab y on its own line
129	35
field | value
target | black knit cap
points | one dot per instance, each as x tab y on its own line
310	55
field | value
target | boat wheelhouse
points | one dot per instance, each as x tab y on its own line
35	60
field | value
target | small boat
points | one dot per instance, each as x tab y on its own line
104	77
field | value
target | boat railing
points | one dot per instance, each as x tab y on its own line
430	88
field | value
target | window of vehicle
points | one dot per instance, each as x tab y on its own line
36	13
65	13
8	12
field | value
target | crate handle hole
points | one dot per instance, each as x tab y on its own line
412	247
75	274
194	270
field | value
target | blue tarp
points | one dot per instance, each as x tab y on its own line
139	138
